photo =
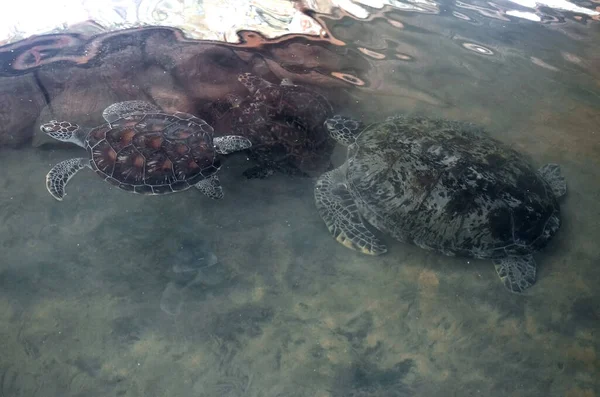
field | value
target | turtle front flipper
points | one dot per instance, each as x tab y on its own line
231	143
551	173
343	129
122	109
516	272
61	173
340	213
211	187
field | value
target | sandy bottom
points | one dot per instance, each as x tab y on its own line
99	297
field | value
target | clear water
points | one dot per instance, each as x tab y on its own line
108	293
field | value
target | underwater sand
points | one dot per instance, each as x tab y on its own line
93	300
290	312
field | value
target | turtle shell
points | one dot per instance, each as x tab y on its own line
153	153
285	124
308	107
449	187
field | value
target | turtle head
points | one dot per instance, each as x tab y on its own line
253	83
233	100
343	129
63	131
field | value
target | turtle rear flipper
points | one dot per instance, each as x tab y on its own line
61	173
551	173
516	272
340	213
122	109
211	187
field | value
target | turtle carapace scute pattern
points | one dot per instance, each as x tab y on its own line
444	186
144	150
284	122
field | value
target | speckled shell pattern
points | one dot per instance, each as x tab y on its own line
153	153
285	125
310	107
302	137
449	187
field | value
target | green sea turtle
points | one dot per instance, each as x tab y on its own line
284	122
444	186
144	150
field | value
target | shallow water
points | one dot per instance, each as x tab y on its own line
94	299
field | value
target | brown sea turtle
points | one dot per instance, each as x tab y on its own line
444	186
283	121
144	150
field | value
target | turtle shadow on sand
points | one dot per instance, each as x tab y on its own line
193	263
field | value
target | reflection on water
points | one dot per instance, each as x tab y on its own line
207	19
112	293
221	19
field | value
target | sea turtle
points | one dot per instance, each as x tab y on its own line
144	150
284	122
444	186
